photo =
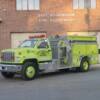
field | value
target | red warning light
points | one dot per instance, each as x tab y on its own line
37	36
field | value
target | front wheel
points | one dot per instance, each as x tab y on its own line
29	71
7	74
84	66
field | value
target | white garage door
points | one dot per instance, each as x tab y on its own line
17	38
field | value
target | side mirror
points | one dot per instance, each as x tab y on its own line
43	45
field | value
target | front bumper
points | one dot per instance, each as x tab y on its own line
10	68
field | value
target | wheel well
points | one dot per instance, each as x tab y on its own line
86	57
31	60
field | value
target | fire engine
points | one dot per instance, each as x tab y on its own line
43	55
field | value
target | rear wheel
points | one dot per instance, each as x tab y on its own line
29	71
7	74
84	66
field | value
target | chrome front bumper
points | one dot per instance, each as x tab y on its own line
10	68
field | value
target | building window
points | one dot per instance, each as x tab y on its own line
82	4
93	4
27	4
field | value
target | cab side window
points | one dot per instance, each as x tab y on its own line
43	45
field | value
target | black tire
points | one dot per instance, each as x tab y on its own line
84	66
25	70
7	75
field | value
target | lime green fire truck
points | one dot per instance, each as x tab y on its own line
35	56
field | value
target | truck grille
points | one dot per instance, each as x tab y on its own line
7	56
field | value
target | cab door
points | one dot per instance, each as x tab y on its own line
44	51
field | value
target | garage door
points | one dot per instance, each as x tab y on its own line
17	38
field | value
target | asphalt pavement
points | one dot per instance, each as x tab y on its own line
63	85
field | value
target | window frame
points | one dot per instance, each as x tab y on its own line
34	8
46	45
77	4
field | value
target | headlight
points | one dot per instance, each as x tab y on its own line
17	59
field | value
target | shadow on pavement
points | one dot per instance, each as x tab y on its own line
55	74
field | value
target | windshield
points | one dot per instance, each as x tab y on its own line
28	43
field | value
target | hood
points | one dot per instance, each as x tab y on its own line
20	51
20	54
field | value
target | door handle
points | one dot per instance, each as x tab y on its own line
49	50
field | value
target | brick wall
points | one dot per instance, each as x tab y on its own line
54	17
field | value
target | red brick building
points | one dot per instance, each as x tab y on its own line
19	18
